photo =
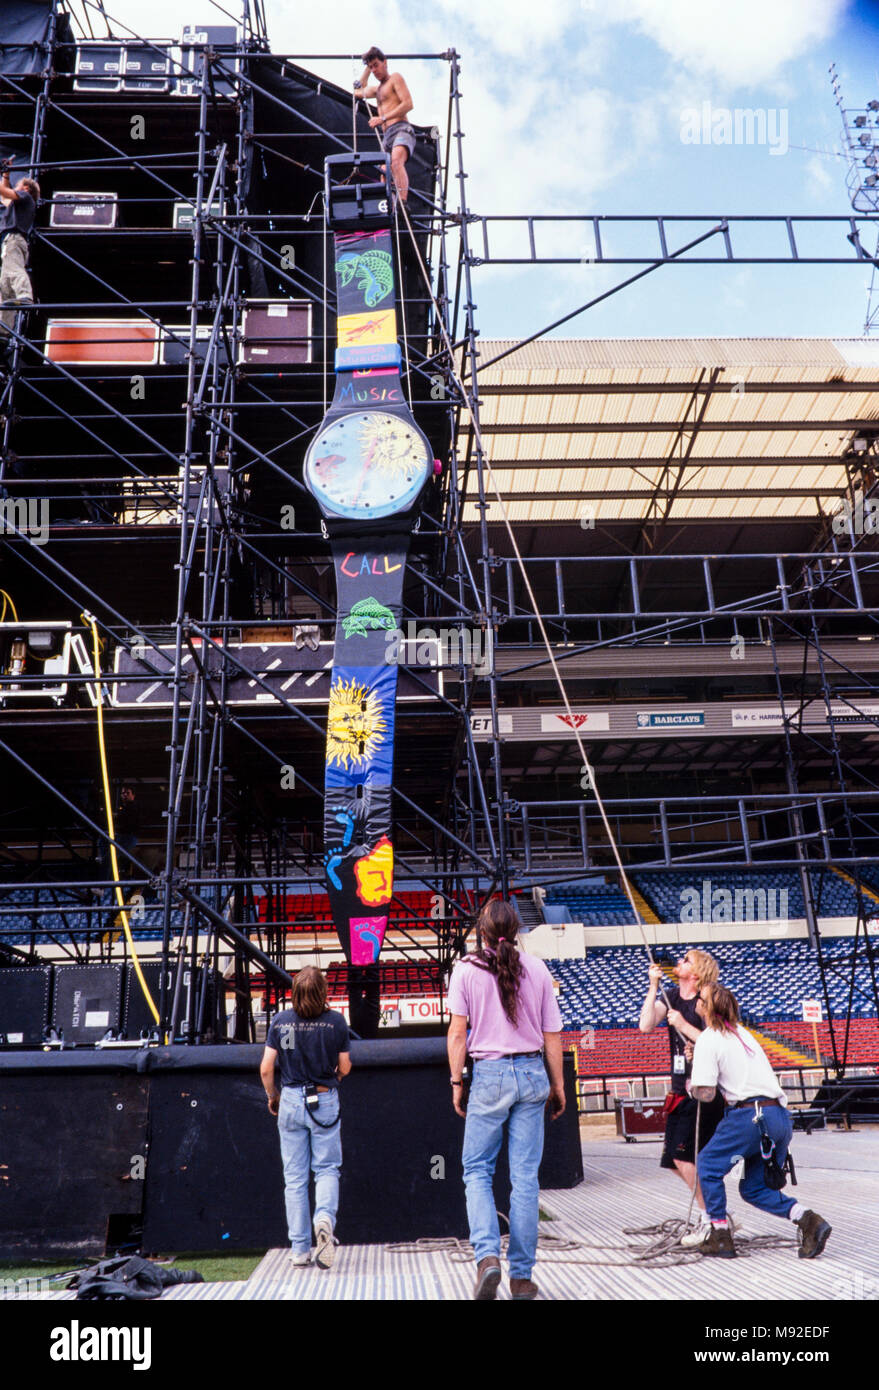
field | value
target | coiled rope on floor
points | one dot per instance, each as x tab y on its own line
661	1250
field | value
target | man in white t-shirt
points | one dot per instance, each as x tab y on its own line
728	1059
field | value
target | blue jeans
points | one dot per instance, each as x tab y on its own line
514	1089
306	1148
737	1136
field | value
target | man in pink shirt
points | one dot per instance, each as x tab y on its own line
514	1019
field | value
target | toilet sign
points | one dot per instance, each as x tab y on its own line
812	1014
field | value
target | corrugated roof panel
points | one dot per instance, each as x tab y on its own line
736	401
843	355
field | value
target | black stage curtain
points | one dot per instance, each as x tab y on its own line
24	34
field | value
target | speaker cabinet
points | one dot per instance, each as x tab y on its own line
87	1001
276	332
24	1005
83	210
98	67
109	342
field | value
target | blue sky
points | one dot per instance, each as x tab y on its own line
578	106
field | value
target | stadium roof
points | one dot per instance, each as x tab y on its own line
675	428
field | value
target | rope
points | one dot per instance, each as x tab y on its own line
402	302
326	233
397	205
695	1162
105	776
466	396
662	1250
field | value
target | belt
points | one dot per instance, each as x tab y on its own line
508	1056
297	1087
755	1100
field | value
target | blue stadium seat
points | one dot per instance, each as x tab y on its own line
770	979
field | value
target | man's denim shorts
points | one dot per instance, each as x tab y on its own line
400	133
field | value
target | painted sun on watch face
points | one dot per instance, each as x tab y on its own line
367	464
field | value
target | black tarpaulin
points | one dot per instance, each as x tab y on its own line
299	119
25	29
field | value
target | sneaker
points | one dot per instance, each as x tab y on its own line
522	1289
700	1233
813	1234
300	1257
697	1236
326	1246
719	1242
488	1276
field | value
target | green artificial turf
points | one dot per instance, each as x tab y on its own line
213	1268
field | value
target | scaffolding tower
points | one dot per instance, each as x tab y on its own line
159	398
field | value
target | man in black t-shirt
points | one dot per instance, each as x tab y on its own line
20	206
308	1048
308	1044
695	969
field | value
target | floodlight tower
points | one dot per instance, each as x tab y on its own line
861	135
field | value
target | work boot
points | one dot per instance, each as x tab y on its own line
814	1231
700	1234
522	1289
719	1242
488	1276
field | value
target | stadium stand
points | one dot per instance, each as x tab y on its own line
50	915
308	912
761	896
596	904
626	1051
769	978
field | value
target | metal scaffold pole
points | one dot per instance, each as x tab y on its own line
488	615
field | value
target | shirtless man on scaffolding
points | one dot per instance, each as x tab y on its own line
394	104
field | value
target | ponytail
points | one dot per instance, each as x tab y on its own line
498	926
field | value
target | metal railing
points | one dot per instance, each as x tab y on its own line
598	1094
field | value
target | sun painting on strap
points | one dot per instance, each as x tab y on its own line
356	726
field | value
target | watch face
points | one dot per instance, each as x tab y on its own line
367	464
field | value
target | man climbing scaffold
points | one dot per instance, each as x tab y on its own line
394	104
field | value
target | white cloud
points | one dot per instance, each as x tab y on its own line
823	175
520	29
553	115
543	132
744	43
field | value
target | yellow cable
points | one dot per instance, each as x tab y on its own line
120	899
7	599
